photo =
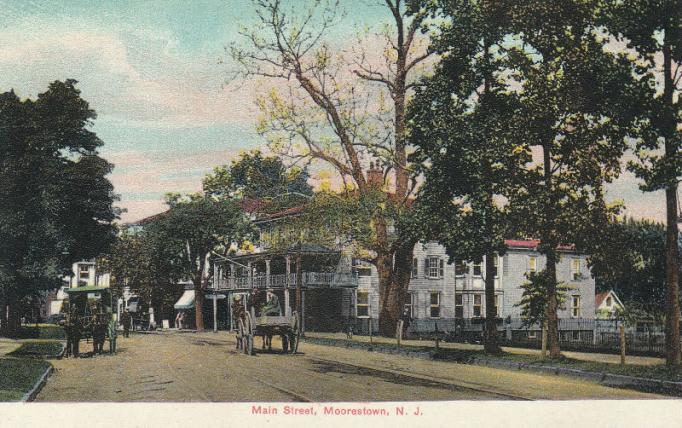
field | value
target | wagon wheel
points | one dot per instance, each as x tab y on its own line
248	335
294	335
241	334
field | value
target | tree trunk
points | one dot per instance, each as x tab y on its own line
394	279
199	297
490	342
11	314
551	247
552	305
673	352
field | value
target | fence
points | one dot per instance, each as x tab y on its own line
584	335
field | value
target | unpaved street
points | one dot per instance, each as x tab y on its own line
206	367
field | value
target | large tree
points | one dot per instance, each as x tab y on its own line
629	258
57	202
265	179
192	229
650	31
143	262
344	106
575	115
460	122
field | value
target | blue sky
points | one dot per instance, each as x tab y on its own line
151	71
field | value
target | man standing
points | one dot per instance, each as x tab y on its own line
111	332
125	320
407	320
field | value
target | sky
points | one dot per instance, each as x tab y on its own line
152	71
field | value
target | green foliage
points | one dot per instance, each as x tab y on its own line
459	121
196	225
143	262
534	299
629	258
57	202
651	30
264	178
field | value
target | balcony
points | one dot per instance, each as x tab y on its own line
310	280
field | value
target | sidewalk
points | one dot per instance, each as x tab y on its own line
582	356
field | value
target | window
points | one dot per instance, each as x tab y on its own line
497	305
434	304
575	269
459	306
532	334
460	268
575	306
477	305
532	264
362	304
608	301
435	267
495	264
477	269
412	304
415	267
83	271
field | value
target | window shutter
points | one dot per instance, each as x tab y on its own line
426	267
505	264
441	269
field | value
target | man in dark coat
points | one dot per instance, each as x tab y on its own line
125	320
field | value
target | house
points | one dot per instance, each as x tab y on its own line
607	305
84	274
338	291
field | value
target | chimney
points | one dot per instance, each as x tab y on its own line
375	175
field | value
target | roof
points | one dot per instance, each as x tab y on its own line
600	297
86	289
532	244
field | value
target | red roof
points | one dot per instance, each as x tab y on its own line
533	244
600	297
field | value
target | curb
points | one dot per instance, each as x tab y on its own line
606	379
31	395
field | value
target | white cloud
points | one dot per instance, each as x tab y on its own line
135	75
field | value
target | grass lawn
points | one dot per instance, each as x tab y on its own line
660	372
38	348
18	375
465	356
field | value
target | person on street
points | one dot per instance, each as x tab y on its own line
271	306
75	326
111	332
125	320
407	320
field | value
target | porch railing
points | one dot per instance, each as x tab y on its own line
310	279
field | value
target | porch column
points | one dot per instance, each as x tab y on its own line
248	266
267	273
287	299
232	276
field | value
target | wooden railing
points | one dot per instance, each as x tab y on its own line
310	279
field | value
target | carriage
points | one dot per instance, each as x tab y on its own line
250	326
83	299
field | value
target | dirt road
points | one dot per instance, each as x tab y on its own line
206	367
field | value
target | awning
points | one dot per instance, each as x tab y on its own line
186	301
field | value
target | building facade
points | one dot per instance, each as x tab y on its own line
84	274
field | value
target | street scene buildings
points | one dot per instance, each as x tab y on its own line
340	201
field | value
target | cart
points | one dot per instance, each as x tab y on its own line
267	326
